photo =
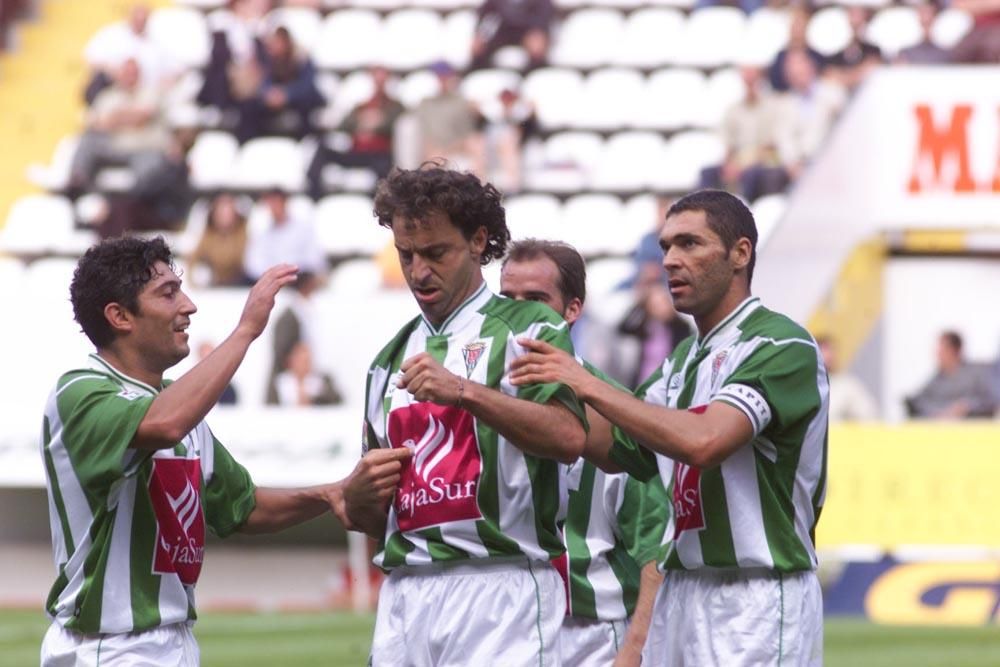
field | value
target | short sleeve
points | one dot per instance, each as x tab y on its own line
776	386
643	518
229	494
99	419
557	336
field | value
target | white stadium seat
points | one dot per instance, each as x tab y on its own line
766	34
535	215
37	224
950	27
484	86
458	30
411	38
182	32
267	162
723	89
211	159
685	156
587	38
610	98
711	37
416	87
346	226
893	29
767	213
568	159
828	31
628	162
55	175
355	276
649	37
590	223
556	94
349	39
302	22
673	98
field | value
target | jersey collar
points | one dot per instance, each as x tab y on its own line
463	314
96	363
730	322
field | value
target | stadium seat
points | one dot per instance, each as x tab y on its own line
302	22
556	94
458	30
673	98
348	39
484	86
211	160
610	99
606	273
591	223
950	27
54	176
828	31
352	90
587	38
628	161
894	28
711	37
680	4
355	276
416	87
766	34
638	217
37	224
444	5
723	89
767	212
267	162
411	38
685	155
568	158
534	215
345	226
182	32
649	38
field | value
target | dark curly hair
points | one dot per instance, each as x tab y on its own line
469	203
113	271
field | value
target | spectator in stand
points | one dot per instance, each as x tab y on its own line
850	400
648	255
501	23
926	52
959	390
229	396
112	45
371	126
982	43
798	23
654	322
297	323
751	168
449	126
852	64
508	125
233	72
300	384
805	114
222	245
283	239
287	95
125	126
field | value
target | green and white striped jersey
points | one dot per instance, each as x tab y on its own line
467	491
615	524
759	508
128	526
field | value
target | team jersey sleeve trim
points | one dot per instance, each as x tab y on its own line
230	495
749	401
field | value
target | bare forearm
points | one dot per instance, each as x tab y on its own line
545	430
649	583
278	509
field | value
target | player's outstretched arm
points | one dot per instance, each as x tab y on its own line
183	404
369	487
630	654
702	439
544	430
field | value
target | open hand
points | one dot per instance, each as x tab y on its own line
545	363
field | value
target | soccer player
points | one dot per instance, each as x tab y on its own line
472	529
133	472
615	524
736	421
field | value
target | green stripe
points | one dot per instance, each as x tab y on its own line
538	617
144	587
88	605
455	313
437	347
438	549
717	537
582	597
732	316
395	549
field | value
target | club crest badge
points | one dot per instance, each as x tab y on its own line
471	354
720	359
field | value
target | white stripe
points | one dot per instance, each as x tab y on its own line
459	534
77	379
810	467
75	503
116	607
376	415
746	517
602	529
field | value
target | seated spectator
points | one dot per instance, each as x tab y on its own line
852	64
283	238
113	44
805	114
799	22
509	123
287	96
449	126
233	73
751	168
926	52
302	385
229	396
501	23
654	322
850	400
959	390
648	255
981	45
371	126
222	245
126	127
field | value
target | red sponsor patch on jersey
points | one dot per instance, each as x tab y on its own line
688	511
440	483
175	492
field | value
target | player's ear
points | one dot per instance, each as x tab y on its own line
119	317
741	253
477	244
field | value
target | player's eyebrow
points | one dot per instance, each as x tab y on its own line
678	238
169	283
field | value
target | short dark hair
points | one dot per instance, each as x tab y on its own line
572	269
113	271
727	216
468	202
954	340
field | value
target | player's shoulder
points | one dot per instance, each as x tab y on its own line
521	315
774	328
396	344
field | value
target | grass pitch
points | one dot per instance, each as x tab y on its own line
297	639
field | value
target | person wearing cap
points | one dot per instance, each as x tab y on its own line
449	126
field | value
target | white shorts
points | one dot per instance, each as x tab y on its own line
585	642
494	612
734	618
172	645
